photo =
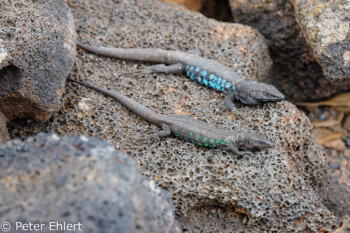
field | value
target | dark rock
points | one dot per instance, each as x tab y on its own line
79	179
297	71
37	50
277	189
326	27
347	141
4	136
217	9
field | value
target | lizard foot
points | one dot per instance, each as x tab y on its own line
164	46
240	155
150	139
139	73
153	138
247	153
143	72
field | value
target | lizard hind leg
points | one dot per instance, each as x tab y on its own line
166	131
228	101
161	68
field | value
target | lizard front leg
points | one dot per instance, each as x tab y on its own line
234	149
161	68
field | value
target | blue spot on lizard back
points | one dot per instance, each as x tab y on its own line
213	77
213	81
223	82
205	82
192	76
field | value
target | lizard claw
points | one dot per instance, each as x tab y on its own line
150	139
247	153
128	73
154	138
138	73
143	72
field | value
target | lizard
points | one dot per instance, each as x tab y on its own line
206	71
189	129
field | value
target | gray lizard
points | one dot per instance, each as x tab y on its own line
192	130
205	71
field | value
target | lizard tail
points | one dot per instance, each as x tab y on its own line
153	55
134	106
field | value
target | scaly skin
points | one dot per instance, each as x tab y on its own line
205	71
192	130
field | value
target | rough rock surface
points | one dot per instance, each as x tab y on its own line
275	189
37	50
211	217
326	26
78	179
4	136
296	70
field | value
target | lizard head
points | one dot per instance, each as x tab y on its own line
252	141
257	93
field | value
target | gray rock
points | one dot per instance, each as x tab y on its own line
297	71
326	26
79	180
4	136
276	189
37	50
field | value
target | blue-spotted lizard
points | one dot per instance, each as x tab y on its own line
203	70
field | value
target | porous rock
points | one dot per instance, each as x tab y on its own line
37	50
79	180
275	189
296	70
326	27
4	136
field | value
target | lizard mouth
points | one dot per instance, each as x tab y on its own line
263	144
